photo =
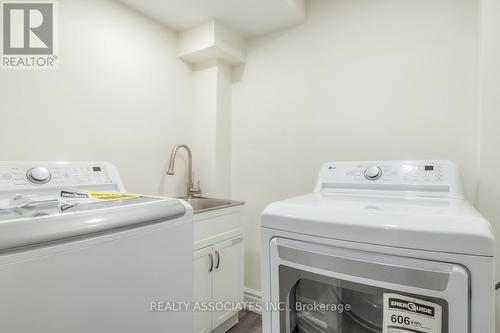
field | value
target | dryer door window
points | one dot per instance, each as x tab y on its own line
319	304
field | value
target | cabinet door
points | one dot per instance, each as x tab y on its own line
227	276
202	291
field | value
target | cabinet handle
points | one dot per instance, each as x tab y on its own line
211	261
218	259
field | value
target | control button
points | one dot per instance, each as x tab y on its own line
373	173
38	175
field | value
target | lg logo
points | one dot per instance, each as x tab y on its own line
28	30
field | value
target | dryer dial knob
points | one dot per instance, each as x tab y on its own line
39	175
373	173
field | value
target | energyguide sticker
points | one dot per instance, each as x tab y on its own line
403	314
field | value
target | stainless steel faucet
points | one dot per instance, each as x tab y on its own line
191	190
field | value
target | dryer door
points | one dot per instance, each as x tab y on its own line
318	288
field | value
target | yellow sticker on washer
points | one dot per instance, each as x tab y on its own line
112	195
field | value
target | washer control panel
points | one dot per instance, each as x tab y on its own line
17	176
431	177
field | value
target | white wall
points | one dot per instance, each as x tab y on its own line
365	79
120	94
489	182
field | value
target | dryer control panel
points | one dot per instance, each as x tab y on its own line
427	177
29	176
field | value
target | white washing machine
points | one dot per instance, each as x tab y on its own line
85	267
380	246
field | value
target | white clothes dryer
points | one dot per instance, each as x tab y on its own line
389	246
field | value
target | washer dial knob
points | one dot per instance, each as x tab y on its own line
373	173
38	175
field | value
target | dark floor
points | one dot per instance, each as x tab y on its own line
250	322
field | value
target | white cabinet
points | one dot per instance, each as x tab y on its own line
227	283
218	268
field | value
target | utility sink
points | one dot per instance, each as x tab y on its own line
201	204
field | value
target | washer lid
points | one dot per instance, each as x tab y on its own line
52	222
49	205
423	223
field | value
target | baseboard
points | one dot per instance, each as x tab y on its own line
252	296
227	325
